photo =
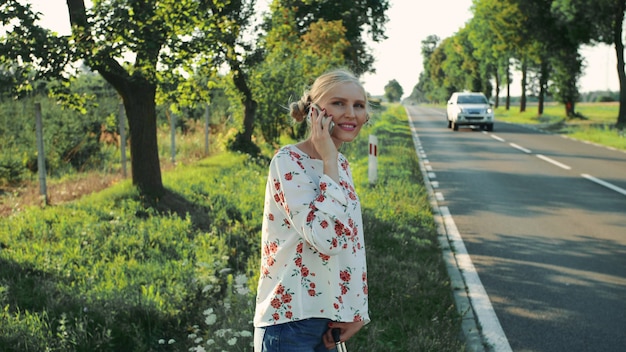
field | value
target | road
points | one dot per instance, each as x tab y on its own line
543	219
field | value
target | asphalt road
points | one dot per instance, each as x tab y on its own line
543	219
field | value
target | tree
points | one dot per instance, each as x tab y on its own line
28	52
423	84
168	33
355	16
598	21
393	91
509	38
291	63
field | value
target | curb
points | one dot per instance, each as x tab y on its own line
471	333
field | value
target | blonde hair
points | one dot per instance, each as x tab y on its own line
324	83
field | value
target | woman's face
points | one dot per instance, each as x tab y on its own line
347	106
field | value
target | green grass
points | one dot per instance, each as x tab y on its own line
596	124
112	273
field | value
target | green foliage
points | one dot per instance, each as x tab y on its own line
28	52
108	273
355	16
112	272
278	82
71	137
393	91
541	39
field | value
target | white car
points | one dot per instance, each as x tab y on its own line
469	109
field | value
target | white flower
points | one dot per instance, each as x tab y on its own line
200	349
242	290
222	332
241	279
210	319
198	340
171	342
210	342
208	311
232	341
161	341
191	336
245	333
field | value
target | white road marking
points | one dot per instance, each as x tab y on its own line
496	138
605	184
554	162
527	151
491	328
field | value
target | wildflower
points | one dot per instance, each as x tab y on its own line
210	319
171	342
241	279
161	341
232	341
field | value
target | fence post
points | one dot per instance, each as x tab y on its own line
122	128
173	136
373	160
41	156
206	129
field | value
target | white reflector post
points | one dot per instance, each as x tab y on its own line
373	160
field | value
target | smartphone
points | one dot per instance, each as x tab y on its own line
320	113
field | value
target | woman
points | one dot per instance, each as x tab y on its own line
313	274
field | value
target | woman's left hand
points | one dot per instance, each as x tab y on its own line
347	331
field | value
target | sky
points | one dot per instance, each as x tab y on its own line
399	57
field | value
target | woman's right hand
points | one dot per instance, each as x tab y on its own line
323	143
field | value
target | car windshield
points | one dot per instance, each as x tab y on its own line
471	99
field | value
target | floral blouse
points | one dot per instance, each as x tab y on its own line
313	254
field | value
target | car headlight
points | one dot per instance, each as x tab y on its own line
489	110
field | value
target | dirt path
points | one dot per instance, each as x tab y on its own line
13	200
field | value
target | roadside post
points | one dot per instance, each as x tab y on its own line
41	156
373	160
206	129
122	127
173	136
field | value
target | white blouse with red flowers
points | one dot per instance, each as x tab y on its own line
313	255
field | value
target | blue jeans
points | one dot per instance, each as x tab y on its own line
297	336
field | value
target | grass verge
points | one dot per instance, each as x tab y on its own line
596	124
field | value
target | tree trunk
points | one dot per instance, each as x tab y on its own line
244	139
138	93
619	50
144	150
508	86
543	83
497	100
522	102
